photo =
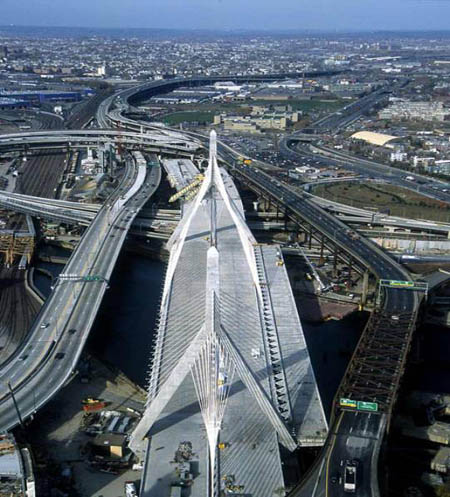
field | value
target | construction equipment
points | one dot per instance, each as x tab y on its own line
95	406
313	269
192	194
90	400
197	181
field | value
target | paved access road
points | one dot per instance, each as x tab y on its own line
425	185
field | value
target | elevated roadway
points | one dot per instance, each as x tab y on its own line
424	185
127	98
376	368
378	363
49	356
79	213
152	141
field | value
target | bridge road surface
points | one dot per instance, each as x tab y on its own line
358	437
73	304
353	435
167	140
34	206
73	212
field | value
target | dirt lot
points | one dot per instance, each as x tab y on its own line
57	442
400	201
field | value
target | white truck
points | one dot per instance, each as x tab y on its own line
130	489
350	477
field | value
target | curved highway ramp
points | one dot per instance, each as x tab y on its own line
49	356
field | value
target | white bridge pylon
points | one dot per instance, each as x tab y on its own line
212	358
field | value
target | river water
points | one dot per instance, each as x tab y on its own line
123	331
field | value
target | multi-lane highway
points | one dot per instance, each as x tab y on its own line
354	435
424	185
57	210
351	112
49	356
379	359
76	213
169	143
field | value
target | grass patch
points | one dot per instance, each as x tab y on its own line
400	201
188	116
305	105
243	108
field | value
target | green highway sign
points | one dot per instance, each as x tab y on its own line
367	406
348	403
401	283
359	405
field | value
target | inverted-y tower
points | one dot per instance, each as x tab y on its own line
231	373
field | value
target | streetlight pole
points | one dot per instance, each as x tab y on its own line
15	403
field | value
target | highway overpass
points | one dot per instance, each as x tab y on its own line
49	356
378	363
82	214
167	142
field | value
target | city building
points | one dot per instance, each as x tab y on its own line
425	111
373	138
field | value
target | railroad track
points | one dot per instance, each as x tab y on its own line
49	121
84	112
18	310
42	174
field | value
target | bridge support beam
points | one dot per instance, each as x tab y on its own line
335	259
166	392
322	246
365	287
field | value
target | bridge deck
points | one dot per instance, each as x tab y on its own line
180	172
252	451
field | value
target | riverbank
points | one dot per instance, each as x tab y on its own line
316	309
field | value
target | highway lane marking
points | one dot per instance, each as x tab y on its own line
330	452
318	478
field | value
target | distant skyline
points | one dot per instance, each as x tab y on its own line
325	15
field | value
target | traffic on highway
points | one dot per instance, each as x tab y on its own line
351	451
48	358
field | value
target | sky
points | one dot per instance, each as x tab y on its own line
327	15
